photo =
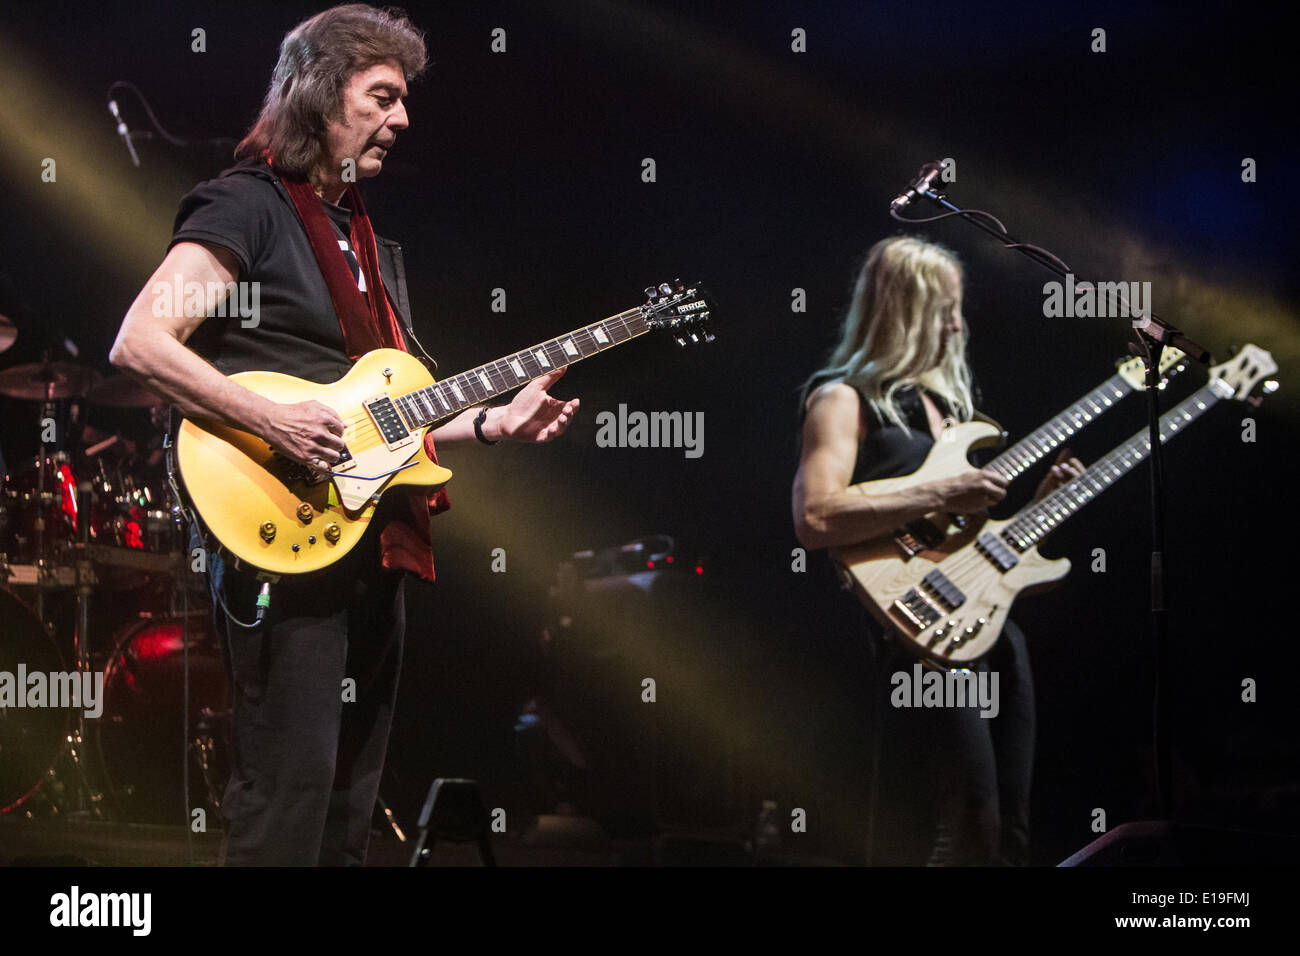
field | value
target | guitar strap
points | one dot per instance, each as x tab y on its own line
369	322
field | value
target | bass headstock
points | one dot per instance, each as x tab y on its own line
684	311
1236	377
1133	370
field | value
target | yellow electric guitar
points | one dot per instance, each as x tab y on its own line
948	604
273	514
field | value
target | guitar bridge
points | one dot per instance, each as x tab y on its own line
929	601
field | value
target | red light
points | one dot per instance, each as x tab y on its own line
649	564
699	569
669	559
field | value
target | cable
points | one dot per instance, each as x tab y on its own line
127	85
185	659
1013	244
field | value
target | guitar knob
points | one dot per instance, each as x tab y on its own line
305	513
332	533
267	531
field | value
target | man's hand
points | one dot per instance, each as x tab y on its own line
533	416
307	432
1065	468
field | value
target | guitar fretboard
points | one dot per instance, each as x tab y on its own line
1035	522
454	394
1042	441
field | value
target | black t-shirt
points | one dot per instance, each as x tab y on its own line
297	330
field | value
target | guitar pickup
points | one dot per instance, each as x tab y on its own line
944	591
993	548
384	414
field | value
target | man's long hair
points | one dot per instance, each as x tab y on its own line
317	58
893	332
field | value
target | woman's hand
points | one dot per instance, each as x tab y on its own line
1065	468
972	492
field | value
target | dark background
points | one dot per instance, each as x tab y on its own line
522	171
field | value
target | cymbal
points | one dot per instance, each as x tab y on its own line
8	332
38	381
122	391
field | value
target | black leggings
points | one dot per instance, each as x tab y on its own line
953	787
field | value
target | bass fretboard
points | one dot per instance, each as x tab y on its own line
1039	443
1035	522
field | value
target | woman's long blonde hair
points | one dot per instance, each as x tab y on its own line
893	332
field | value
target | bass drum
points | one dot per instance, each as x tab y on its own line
141	730
31	738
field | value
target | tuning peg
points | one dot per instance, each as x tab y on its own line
650	292
680	340
666	289
708	336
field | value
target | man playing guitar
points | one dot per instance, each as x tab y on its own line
289	218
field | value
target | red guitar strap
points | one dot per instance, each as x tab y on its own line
369	322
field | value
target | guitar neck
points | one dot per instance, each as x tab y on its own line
451	396
1035	522
1035	446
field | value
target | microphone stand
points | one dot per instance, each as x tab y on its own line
1152	335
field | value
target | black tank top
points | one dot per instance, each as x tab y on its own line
890	451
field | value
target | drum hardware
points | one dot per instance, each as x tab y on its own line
204	747
86	525
140	732
47	381
88	798
122	391
32	740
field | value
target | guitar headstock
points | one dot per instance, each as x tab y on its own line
1241	373
1133	370
683	310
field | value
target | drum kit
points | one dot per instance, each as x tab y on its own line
97	579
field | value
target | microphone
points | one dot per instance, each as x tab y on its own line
918	186
123	131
